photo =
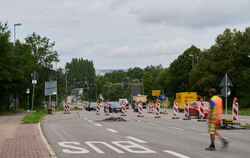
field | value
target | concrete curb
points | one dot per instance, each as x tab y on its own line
51	152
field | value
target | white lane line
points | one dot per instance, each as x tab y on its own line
175	154
111	130
205	134
177	128
90	121
137	140
97	124
85	118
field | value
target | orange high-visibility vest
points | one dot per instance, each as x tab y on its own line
218	108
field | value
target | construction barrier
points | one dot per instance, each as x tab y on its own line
235	109
151	107
98	108
123	108
66	108
106	108
53	107
201	113
186	111
175	107
166	106
139	109
157	109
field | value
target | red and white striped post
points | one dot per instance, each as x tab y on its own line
157	109
175	110
166	106
123	108
151	106
201	113
66	107
140	109
98	108
53	107
186	111
235	109
106	107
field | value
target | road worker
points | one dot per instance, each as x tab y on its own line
214	119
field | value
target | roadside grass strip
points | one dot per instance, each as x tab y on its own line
35	116
175	154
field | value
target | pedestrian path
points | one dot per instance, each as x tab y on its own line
20	140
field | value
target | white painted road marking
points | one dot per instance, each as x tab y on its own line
137	140
205	134
77	150
97	124
133	147
99	151
175	154
177	128
90	121
85	118
111	130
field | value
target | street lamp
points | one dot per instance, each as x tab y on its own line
191	55
15	25
66	73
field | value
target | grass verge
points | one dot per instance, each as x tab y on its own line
35	116
243	111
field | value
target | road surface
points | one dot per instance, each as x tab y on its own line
85	134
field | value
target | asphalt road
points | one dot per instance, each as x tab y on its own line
84	134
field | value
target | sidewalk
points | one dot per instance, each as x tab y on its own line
20	140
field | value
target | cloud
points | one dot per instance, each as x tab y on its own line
193	13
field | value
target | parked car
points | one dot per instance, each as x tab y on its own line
90	106
115	107
194	108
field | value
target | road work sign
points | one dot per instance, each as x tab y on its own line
156	93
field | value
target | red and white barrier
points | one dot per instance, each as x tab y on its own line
235	109
186	110
53	107
157	109
66	108
166	106
106	107
98	108
201	112
123	108
175	110
151	107
139	109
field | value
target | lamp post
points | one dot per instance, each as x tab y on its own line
15	25
191	55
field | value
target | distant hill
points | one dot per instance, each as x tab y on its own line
101	72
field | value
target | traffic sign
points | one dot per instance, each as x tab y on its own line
34	75
226	82
163	97
156	93
223	91
50	88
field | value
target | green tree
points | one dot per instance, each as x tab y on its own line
42	50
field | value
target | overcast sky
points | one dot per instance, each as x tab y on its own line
125	33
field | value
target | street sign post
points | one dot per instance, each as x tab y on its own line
28	100
50	89
226	91
34	77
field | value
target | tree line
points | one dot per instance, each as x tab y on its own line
17	61
194	70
